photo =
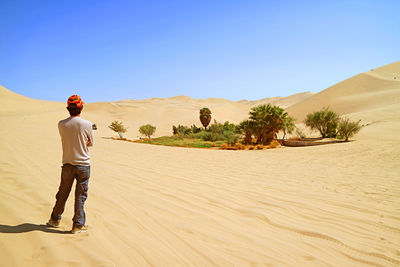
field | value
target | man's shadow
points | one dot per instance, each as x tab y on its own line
29	227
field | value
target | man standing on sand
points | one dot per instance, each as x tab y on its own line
76	135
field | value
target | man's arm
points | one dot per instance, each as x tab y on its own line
90	136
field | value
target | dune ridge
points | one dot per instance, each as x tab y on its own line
368	90
333	205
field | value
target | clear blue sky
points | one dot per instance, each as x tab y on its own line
114	50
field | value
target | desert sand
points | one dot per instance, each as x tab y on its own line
330	205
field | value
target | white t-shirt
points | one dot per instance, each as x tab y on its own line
76	135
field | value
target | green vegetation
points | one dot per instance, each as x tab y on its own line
147	130
288	126
118	127
216	132
268	121
182	130
325	121
181	142
264	123
205	117
246	127
329	124
257	132
348	129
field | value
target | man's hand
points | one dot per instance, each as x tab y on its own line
89	143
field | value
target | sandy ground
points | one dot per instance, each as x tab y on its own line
331	205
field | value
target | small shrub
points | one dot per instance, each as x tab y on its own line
181	130
198	135
147	130
117	126
194	129
209	136
231	137
251	147
260	147
227	126
220	128
216	127
348	129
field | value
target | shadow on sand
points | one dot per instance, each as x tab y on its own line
29	227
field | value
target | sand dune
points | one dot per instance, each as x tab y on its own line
373	89
283	102
333	205
16	104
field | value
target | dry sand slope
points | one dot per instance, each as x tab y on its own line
333	205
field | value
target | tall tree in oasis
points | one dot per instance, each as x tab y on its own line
205	117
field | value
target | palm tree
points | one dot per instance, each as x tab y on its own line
288	126
268	121
205	117
246	127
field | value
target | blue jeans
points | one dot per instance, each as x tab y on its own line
68	174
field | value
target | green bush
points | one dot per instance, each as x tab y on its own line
227	126
288	126
230	137
325	121
195	129
207	136
215	132
216	127
210	136
147	130
220	128
181	130
348	129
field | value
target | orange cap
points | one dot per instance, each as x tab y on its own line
75	101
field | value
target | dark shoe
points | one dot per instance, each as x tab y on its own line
79	229
52	223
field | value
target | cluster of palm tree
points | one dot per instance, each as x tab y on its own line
264	124
266	121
